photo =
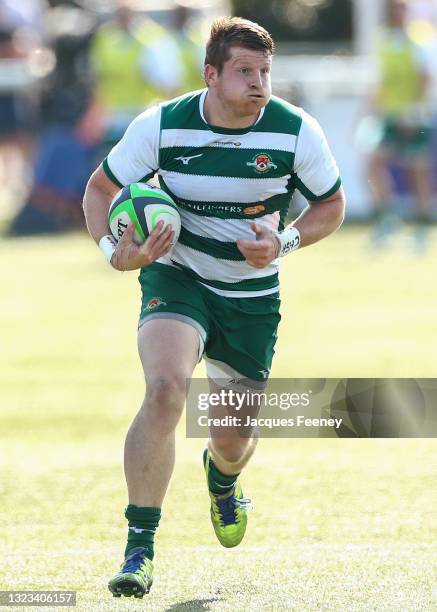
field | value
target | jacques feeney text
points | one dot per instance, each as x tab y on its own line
249	421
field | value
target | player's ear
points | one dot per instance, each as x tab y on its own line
210	75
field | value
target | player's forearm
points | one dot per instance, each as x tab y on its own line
320	219
96	203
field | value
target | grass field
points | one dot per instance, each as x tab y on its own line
338	524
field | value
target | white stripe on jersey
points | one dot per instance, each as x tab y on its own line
226	230
166	260
223	189
206	138
211	268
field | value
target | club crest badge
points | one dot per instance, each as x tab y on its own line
262	163
154	302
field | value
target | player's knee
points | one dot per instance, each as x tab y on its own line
164	400
166	389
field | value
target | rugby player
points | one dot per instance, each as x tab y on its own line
231	156
402	105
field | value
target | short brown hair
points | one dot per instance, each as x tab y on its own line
227	32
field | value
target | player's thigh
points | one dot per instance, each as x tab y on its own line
167	348
173	324
169	352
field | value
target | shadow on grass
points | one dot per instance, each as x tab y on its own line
194	605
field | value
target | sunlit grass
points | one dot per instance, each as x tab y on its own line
337	525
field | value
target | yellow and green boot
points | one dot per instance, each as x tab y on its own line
135	576
228	511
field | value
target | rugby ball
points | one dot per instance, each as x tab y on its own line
145	205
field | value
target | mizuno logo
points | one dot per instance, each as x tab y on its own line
185	160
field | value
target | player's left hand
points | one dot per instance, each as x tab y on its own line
261	251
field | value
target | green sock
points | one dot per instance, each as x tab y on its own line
143	522
219	483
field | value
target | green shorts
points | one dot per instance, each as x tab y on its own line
237	335
413	141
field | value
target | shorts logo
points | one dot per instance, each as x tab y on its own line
254	210
154	302
262	163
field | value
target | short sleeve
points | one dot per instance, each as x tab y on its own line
136	156
316	172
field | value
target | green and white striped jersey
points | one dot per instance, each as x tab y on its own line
222	179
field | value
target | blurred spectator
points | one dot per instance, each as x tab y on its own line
14	125
187	34
28	14
137	62
69	131
403	105
122	88
174	61
102	79
21	31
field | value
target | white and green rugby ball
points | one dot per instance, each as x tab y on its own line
145	205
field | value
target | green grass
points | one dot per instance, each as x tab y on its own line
337	525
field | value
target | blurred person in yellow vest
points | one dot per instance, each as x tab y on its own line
402	103
137	62
173	62
188	34
121	87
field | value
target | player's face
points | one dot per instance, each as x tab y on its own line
244	84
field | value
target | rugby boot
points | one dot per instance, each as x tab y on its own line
228	512
135	576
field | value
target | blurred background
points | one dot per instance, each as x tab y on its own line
73	73
353	523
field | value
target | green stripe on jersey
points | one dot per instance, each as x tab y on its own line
210	246
221	161
183	111
280	117
232	210
312	196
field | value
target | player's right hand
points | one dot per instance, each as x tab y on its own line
130	256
